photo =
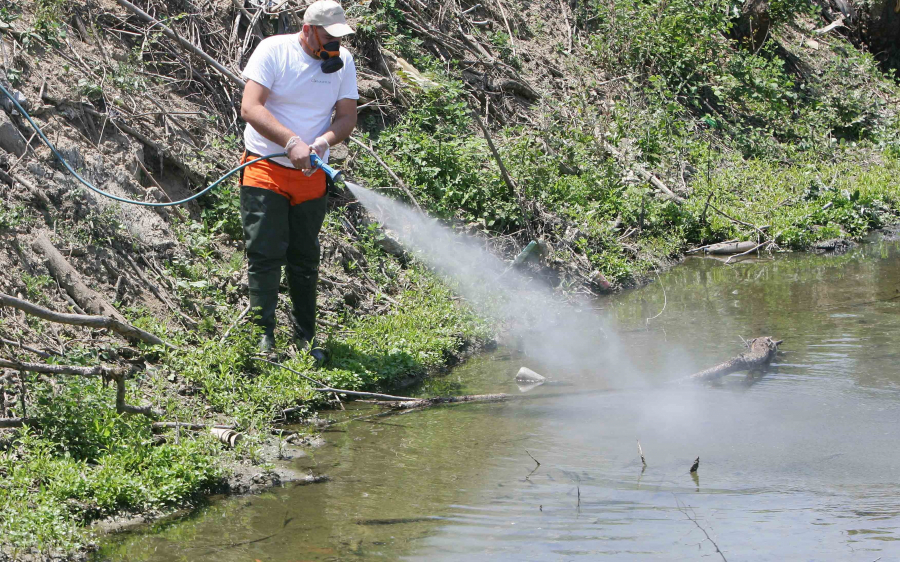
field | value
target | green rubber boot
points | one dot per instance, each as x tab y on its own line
303	266
265	217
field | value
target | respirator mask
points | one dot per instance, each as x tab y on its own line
330	53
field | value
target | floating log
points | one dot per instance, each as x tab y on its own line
761	351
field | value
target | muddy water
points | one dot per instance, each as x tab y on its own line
800	463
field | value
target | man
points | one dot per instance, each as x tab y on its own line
294	85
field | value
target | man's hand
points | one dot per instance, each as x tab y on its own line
299	155
319	146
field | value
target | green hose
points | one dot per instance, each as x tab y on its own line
95	189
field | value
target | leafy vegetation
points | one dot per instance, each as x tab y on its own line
88	461
745	130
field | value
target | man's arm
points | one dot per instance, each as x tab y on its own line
254	112
343	123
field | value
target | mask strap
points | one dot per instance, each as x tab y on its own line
319	41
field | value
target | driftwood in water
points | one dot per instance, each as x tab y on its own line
761	351
425	402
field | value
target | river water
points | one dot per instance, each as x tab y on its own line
801	462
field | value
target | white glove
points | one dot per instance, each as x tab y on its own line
319	146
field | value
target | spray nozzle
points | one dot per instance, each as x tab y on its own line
318	163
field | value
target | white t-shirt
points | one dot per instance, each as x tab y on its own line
302	97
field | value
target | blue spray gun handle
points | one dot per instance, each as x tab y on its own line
318	163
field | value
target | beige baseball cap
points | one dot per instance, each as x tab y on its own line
330	15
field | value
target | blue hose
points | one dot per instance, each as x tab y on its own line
315	160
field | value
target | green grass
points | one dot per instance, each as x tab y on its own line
87	461
801	203
424	333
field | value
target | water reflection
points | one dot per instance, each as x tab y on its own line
800	462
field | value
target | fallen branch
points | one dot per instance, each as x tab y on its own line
183	42
647	176
38	352
389	171
70	280
410	403
74	370
760	353
115	373
122	328
123	408
506	178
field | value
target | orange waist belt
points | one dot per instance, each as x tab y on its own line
290	182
